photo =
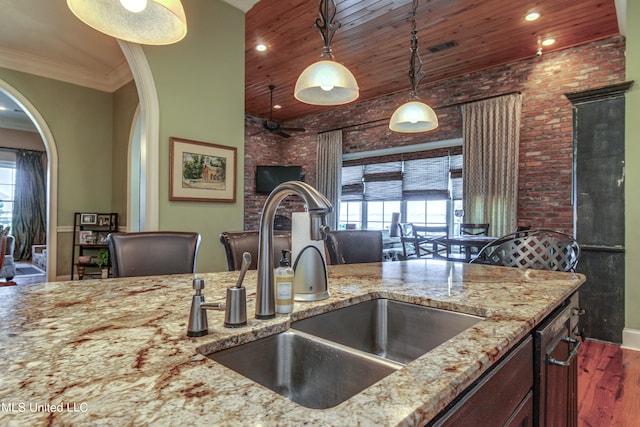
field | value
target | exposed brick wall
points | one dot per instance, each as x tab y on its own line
546	133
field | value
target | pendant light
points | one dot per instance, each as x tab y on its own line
153	22
414	116
326	82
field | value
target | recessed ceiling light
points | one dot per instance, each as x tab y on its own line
532	16
3	108
277	107
548	42
261	47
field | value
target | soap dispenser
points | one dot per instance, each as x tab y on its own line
284	275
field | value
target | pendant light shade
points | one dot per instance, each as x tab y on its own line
326	82
414	116
152	22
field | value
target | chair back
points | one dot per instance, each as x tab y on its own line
535	249
153	253
354	246
474	229
237	242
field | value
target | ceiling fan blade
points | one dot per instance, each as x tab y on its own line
283	134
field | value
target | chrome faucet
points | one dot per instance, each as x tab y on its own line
318	207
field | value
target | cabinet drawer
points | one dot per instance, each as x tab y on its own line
493	399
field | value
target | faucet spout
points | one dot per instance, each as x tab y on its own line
317	205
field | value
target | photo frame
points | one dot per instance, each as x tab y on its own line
104	220
88	218
201	172
87	237
102	238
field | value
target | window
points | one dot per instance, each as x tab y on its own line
7	191
425	191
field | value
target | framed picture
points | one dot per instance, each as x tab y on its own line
104	220
87	237
102	238
88	218
201	172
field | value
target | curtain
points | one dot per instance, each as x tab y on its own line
329	171
491	130
29	207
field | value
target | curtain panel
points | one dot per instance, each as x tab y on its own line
329	171
29	207
491	130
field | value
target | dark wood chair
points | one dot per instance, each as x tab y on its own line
474	229
238	242
354	246
153	253
536	249
424	241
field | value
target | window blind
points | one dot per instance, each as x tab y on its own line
426	179
383	181
352	185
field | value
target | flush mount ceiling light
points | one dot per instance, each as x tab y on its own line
415	115
532	16
152	22
548	42
326	82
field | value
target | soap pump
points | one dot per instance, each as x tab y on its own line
284	276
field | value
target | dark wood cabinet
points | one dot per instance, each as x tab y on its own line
500	396
535	384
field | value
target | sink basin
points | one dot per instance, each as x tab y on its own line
324	360
394	330
307	370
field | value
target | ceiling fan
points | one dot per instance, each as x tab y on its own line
273	126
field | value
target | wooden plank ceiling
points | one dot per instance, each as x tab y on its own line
373	41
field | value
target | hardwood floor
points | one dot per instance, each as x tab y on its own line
608	385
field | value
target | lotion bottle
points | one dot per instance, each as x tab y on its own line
284	275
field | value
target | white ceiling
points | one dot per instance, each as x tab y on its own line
42	37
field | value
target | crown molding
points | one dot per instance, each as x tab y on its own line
243	5
38	66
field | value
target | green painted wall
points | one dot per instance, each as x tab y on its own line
125	103
632	170
200	85
81	121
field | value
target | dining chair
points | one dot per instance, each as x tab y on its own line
474	229
424	240
354	246
238	242
153	253
540	249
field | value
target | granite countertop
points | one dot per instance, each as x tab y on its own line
115	351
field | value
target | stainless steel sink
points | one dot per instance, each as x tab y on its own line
394	330
324	360
307	370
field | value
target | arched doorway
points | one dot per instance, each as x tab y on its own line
52	173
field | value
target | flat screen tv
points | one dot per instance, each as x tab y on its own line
269	177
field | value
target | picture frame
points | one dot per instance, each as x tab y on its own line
102	238
86	237
104	220
201	172
88	218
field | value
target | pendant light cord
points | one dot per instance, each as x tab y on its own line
415	63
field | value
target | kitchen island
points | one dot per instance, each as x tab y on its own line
115	351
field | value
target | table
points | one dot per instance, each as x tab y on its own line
467	241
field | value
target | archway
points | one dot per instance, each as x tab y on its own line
52	174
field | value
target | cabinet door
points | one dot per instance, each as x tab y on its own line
499	395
